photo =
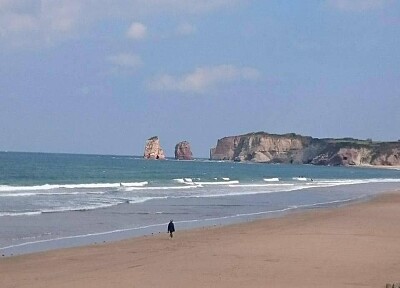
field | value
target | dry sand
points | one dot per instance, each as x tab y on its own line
352	246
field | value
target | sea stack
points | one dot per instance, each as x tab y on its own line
153	149
182	151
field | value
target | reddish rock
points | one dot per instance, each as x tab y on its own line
182	151
153	149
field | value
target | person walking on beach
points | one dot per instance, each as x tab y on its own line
171	228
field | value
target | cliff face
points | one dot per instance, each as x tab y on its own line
182	151
153	150
344	156
263	147
391	158
356	153
292	148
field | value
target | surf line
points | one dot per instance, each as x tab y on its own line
294	207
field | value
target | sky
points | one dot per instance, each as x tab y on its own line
102	76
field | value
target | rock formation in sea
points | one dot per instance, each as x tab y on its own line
294	148
153	149
182	151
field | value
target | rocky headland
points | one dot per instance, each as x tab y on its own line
153	150
183	151
298	149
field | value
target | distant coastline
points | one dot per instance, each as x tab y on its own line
293	148
290	148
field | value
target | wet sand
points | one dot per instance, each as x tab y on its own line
353	246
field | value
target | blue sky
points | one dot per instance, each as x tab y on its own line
85	76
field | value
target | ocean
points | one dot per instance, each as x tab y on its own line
50	201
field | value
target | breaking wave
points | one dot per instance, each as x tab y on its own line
8	188
274	179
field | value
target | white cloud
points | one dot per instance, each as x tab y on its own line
62	16
32	21
357	5
49	21
203	79
126	60
185	29
136	31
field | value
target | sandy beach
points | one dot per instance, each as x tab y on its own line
352	246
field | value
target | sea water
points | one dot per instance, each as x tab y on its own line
51	201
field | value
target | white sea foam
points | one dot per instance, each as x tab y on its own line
263	185
218	183
275	179
55	193
30	213
81	207
61	209
24	194
226	178
179	180
234	192
8	188
162	188
42	193
226	188
337	182
300	178
288	187
187	181
134	184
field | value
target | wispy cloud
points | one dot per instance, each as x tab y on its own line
357	5
203	79
136	31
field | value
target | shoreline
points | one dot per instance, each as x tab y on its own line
379	167
82	240
349	246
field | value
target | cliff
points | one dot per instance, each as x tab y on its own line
153	150
293	148
183	151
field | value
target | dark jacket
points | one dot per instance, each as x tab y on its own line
171	227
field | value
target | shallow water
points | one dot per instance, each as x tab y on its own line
51	201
